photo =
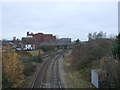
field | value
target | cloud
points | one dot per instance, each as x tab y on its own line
73	20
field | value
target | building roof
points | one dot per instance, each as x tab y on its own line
28	37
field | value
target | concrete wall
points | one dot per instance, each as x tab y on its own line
95	78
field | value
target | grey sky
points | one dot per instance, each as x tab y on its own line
72	20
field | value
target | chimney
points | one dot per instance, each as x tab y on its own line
27	33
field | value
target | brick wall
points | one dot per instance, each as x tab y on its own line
40	37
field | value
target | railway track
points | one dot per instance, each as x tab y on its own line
41	76
55	77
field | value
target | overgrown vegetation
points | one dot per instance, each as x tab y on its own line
36	59
23	54
14	72
47	48
110	75
32	56
29	68
98	53
75	78
13	76
116	48
35	52
84	54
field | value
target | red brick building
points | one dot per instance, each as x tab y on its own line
40	37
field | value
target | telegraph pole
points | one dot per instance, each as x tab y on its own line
39	52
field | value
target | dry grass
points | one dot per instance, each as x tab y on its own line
74	79
23	54
35	52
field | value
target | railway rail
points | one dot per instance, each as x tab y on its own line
40	77
55	77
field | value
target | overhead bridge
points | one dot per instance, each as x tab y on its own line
57	44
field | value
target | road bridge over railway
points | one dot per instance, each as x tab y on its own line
57	44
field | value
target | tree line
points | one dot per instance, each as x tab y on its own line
100	53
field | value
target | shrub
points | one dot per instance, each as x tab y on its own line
37	59
46	48
110	72
29	68
84	54
12	69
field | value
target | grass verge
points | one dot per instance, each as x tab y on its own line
29	68
76	78
35	52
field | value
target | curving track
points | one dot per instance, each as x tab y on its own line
55	77
40	79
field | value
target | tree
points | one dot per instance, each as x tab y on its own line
84	54
110	72
90	37
118	42
99	35
77	41
116	48
96	35
12	69
47	48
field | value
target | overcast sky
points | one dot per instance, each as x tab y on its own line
65	20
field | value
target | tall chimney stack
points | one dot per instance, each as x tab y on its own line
27	33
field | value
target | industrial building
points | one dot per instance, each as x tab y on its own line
37	38
40	37
33	41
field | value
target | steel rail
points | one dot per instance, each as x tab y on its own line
39	79
55	74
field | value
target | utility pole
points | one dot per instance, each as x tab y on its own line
39	52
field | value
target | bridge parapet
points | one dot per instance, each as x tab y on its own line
56	43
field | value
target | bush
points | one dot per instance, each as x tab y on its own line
110	72
5	82
12	69
25	53
47	48
37	59
29	68
84	54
